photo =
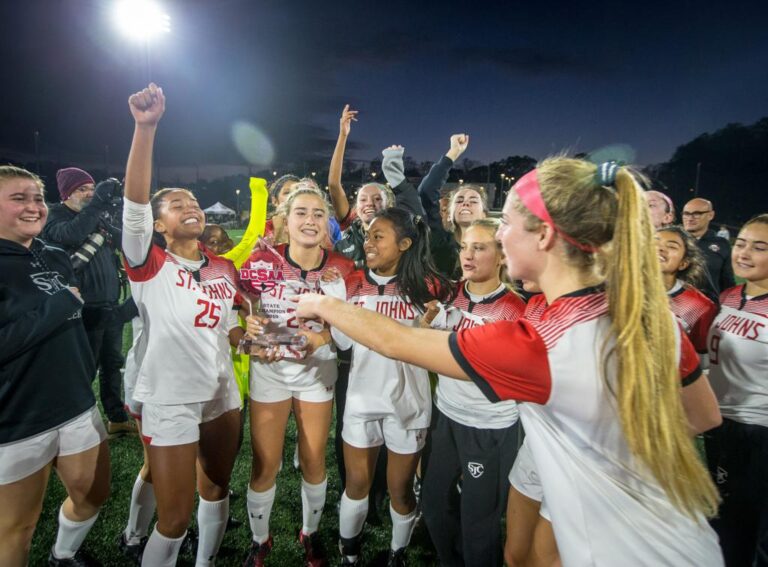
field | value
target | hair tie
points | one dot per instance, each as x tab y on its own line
417	219
606	173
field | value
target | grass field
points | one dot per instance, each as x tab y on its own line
126	458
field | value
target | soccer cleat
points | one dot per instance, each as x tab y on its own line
258	553
349	549
80	559
132	551
396	558
314	553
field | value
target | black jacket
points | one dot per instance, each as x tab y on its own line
445	249
46	364
717	253
99	281
353	237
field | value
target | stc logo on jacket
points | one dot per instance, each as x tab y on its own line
260	276
48	282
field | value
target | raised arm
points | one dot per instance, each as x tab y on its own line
66	230
429	189
427	348
147	107
338	197
406	195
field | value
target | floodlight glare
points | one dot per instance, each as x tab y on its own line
141	19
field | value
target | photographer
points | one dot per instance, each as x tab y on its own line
82	225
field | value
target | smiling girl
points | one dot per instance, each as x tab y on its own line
48	419
388	402
738	352
279	384
682	268
186	299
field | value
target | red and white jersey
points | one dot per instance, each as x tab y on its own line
535	308
381	387
187	315
604	504
694	311
276	278
738	356
463	401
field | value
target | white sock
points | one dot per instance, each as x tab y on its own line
71	534
402	528
312	502
212	523
352	515
161	551
259	509
142	511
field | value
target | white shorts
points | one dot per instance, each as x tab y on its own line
365	434
23	458
166	425
267	391
525	479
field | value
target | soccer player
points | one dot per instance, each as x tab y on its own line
661	209
275	229
620	475
48	415
738	355
471	438
190	401
302	383
388	402
683	268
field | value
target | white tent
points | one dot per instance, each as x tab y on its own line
220	210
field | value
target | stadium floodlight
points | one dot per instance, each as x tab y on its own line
141	19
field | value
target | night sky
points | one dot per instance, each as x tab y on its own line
520	78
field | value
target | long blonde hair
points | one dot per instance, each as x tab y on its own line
615	222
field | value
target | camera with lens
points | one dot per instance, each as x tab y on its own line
88	249
110	193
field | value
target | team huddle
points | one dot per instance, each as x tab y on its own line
618	345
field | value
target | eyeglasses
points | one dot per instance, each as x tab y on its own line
695	214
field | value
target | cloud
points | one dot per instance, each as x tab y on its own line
529	60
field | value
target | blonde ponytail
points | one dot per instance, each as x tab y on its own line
610	237
648	384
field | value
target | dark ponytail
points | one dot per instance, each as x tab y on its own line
418	279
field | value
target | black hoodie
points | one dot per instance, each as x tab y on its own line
45	361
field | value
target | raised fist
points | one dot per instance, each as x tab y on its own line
459	143
345	122
147	106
